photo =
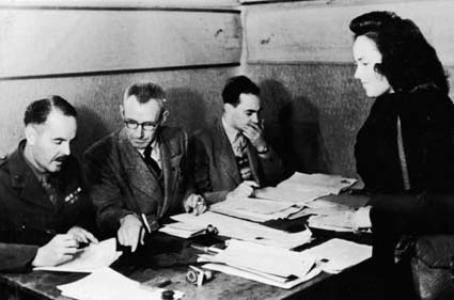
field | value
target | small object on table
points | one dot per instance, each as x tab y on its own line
198	276
167	295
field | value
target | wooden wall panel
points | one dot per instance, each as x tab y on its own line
318	31
40	42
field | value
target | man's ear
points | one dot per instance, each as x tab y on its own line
165	116
31	134
122	111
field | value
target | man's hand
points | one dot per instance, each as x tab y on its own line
131	231
361	219
195	204
243	190
60	249
81	235
254	133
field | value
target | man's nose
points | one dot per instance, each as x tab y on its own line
66	148
255	118
139	131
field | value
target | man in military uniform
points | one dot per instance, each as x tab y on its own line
43	205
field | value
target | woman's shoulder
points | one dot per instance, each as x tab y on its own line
428	100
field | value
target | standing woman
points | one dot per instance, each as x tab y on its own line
404	151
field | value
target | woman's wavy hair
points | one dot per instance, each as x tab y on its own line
408	60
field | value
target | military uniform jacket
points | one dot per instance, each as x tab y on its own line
27	216
121	183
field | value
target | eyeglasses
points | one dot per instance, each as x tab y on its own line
131	124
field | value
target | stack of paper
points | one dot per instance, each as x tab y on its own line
106	284
335	213
302	188
257	210
270	265
92	258
247	231
337	255
183	230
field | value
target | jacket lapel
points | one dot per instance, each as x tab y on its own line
23	179
226	157
140	177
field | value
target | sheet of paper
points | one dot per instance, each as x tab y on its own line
341	221
257	210
183	230
248	231
92	258
106	284
340	254
260	277
265	259
303	188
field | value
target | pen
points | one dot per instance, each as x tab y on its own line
145	223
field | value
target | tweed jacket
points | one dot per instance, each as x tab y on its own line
121	183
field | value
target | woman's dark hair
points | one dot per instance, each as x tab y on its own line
408	60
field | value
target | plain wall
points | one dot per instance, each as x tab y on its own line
90	53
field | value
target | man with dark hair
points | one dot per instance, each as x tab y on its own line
232	158
43	205
137	173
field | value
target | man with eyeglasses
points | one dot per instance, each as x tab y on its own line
137	173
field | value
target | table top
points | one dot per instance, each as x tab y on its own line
42	284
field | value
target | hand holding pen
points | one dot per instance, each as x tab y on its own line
131	232
58	250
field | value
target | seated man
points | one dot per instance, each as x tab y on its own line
43	204
232	158
137	172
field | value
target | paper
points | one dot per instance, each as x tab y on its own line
264	259
247	231
339	254
257	210
94	257
335	213
106	284
337	221
259	277
302	188
183	230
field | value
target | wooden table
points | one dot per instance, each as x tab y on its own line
42	284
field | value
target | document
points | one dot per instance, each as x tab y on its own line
302	188
183	230
90	259
270	265
256	210
340	221
337	255
335	212
247	231
107	284
288	284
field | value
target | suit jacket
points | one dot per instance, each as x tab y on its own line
27	216
214	168
121	183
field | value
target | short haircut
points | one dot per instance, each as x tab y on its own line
144	92
238	85
408	60
38	111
